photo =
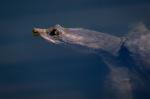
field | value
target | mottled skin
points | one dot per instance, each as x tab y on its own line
128	58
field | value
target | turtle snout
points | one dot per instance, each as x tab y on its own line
37	31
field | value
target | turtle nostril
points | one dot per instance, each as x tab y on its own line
35	32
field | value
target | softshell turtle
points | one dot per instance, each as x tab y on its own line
128	57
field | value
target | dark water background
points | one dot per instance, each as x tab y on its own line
31	68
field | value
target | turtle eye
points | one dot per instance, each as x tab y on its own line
54	32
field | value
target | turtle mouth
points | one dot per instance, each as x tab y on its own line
52	40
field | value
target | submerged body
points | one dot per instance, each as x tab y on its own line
127	57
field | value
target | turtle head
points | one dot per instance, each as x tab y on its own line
58	34
80	37
52	34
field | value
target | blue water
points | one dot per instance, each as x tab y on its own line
31	68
